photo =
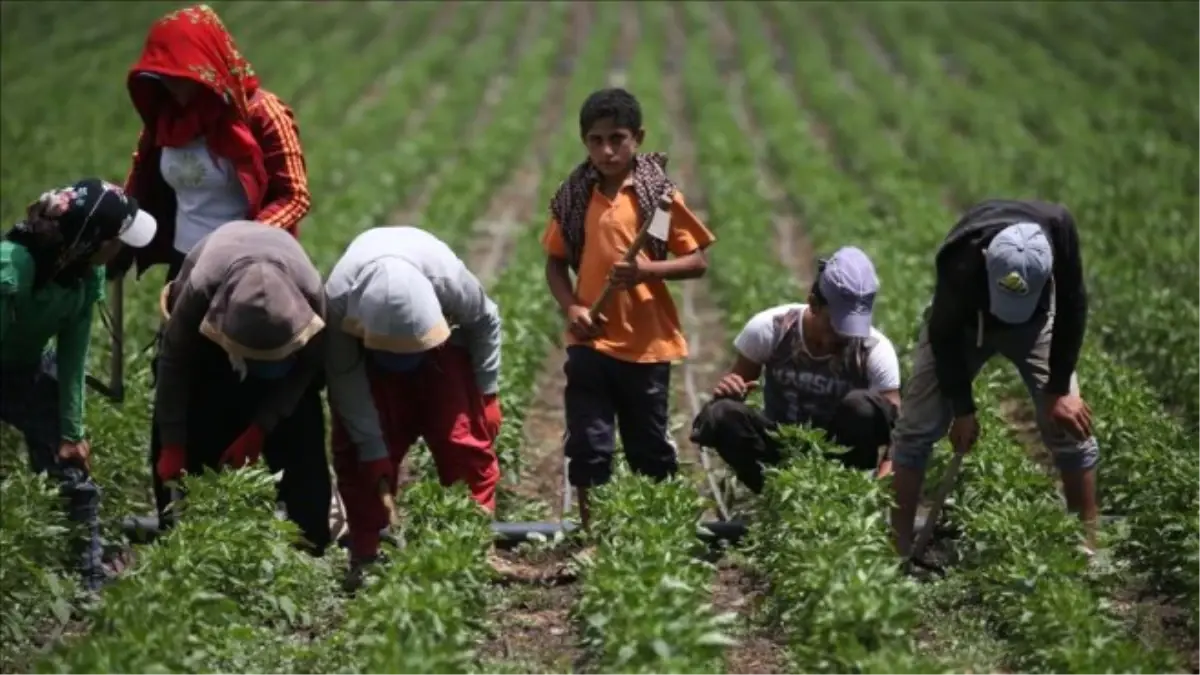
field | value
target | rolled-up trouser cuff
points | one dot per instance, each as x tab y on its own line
911	457
1081	457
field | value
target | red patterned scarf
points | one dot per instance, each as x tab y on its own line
193	44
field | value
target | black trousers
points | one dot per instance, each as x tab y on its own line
742	437
221	408
29	402
604	394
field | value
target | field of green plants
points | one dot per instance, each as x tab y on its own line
793	128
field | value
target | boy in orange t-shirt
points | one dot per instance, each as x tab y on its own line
619	363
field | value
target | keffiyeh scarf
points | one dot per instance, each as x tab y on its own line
569	204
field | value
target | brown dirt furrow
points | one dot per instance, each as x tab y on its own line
413	209
701	319
755	652
533	628
532	624
374	93
792	245
734	591
542	478
516	202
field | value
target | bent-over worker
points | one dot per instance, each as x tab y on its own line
1009	281
51	279
414	352
239	372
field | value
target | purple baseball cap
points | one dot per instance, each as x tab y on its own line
849	285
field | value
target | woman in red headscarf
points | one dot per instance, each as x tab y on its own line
214	146
214	149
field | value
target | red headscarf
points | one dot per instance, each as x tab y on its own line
192	43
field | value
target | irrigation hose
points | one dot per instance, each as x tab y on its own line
689	386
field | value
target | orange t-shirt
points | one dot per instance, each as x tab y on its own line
643	324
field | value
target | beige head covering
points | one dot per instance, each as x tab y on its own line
394	308
259	313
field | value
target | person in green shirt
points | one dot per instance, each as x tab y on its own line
51	277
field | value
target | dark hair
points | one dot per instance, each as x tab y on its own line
615	103
45	245
818	298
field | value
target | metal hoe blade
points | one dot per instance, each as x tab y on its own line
935	511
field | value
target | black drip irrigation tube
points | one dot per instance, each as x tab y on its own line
508	535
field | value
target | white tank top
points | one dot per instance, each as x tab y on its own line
208	194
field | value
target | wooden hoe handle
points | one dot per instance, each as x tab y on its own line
639	242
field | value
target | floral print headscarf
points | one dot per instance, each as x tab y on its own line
193	44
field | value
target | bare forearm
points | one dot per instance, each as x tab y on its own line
558	277
690	266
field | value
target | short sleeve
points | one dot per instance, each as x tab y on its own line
552	240
883	366
16	269
687	232
757	338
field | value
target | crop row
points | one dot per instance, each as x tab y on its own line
898	218
1149	471
94	138
215	594
1129	186
421	611
433	58
835	593
644	605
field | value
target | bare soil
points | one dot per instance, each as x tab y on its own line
756	651
532	627
412	210
516	202
544	420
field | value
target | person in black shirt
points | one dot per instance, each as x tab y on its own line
1009	281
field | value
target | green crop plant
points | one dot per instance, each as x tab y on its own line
204	592
644	606
34	590
420	610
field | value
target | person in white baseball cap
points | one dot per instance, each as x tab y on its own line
1009	282
51	279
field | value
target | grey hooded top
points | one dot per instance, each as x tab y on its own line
398	284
